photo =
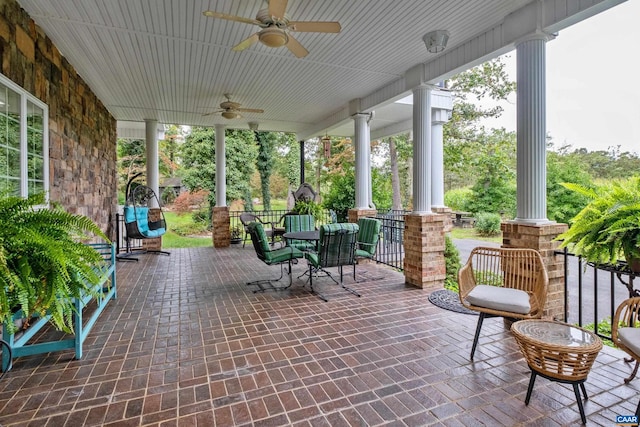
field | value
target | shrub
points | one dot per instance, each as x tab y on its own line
190	200
202	218
452	263
458	198
487	224
168	196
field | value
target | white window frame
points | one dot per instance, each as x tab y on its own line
26	97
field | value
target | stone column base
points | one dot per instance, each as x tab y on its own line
541	238
424	264
221	224
155	244
355	214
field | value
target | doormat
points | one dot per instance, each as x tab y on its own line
449	300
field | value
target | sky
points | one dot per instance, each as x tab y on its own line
593	82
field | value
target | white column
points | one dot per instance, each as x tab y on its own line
421	149
441	106
221	168
362	149
151	137
531	131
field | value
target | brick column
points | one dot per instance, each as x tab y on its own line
448	221
220	224
424	265
155	244
541	238
355	214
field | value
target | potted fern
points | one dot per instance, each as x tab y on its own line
608	228
43	262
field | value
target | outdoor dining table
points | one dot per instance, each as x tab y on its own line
311	235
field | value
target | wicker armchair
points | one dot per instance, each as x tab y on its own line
625	333
509	283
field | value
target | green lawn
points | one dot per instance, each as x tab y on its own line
470	233
172	239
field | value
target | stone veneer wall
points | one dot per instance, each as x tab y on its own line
82	133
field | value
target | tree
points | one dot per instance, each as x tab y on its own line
562	203
462	133
266	150
131	160
198	154
169	149
494	190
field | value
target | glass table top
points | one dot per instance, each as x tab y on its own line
555	333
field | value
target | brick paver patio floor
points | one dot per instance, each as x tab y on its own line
187	343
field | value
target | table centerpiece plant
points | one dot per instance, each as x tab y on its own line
44	263
608	228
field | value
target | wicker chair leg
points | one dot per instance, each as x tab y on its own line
475	339
576	390
633	374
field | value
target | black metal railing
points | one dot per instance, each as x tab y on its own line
592	293
391	244
274	217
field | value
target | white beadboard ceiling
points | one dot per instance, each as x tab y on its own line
164	60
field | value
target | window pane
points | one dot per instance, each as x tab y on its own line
11	145
36	167
36	187
34	116
35	141
13	163
10	186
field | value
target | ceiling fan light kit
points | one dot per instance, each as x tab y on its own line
273	37
230	115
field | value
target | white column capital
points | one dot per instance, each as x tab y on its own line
538	35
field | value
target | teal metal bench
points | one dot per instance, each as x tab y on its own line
82	327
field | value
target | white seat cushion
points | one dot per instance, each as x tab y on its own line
498	298
631	338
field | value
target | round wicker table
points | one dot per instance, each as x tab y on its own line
559	352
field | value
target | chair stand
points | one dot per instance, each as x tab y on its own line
130	254
328	274
477	336
267	284
577	386
635	370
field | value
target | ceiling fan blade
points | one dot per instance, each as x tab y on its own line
250	110
212	14
315	26
246	43
212	112
296	48
277	8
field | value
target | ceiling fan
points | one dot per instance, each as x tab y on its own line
276	28
232	110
